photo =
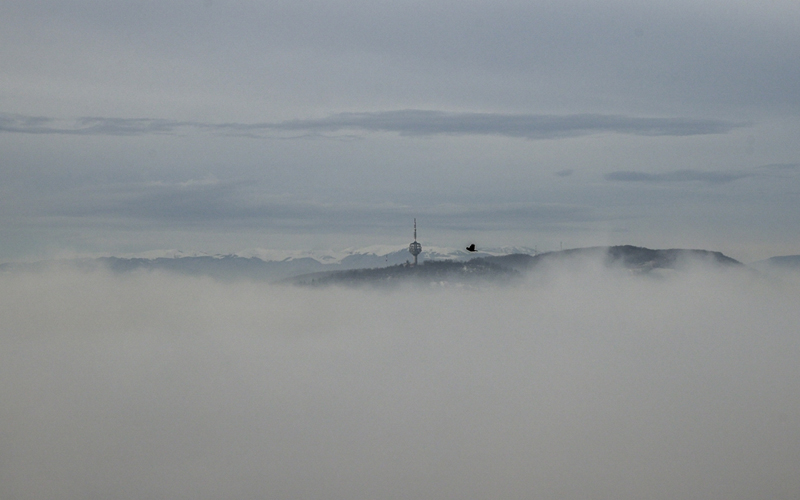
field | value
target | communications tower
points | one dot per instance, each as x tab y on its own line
415	248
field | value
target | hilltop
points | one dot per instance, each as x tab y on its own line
478	270
507	268
638	259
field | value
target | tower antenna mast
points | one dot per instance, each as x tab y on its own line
415	248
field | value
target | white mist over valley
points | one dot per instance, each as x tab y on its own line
579	381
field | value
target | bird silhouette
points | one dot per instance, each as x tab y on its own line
471	248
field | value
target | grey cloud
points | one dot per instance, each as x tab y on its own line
22	124
775	170
576	51
530	126
123	126
409	122
606	57
677	176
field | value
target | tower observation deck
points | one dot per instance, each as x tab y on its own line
415	248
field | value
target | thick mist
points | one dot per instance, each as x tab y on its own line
582	382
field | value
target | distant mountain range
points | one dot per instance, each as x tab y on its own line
373	266
267	267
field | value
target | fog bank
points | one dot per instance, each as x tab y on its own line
580	383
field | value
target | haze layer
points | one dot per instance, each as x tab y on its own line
582	382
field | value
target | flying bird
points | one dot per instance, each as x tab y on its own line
471	248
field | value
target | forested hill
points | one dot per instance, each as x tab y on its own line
504	269
479	270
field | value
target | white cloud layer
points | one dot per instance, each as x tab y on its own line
581	383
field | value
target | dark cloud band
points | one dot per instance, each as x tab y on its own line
403	122
677	176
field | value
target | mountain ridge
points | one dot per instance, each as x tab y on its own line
452	264
502	269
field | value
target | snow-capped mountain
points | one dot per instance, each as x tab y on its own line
348	258
270	265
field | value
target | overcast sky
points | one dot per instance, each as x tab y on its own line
217	126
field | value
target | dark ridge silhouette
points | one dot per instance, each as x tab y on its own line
627	256
474	271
